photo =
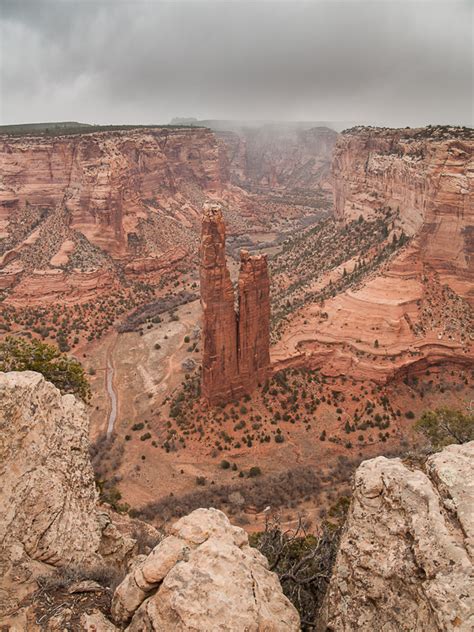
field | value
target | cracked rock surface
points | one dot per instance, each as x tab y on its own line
405	562
203	577
47	491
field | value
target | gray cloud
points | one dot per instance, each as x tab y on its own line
108	61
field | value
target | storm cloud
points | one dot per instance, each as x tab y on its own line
107	61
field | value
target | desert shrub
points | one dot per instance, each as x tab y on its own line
444	426
67	374
225	465
106	576
255	471
303	563
275	490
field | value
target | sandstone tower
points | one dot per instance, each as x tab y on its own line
236	345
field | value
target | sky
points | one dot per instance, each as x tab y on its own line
384	62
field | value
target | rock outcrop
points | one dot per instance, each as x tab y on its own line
48	499
405	562
235	345
204	577
47	490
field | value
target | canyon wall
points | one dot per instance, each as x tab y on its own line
93	201
278	157
235	345
428	175
415	310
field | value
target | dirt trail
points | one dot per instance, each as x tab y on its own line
109	379
188	321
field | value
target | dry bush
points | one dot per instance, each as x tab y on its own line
302	561
106	576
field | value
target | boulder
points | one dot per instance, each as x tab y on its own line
405	562
96	622
204	577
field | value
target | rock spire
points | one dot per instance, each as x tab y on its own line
235	344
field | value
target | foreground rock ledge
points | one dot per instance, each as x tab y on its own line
405	562
204	577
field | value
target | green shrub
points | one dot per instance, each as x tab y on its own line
444	426
66	373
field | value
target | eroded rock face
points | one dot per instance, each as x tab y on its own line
48	500
235	346
204	577
425	173
254	319
405	562
70	204
47	491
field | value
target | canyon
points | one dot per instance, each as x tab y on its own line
369	298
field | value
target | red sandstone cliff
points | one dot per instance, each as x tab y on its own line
417	309
235	345
90	201
426	173
219	330
254	318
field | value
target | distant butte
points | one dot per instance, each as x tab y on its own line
236	353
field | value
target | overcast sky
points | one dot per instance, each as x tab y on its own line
387	62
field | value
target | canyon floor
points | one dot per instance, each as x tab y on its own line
305	431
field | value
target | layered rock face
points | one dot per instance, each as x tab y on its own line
86	201
405	562
275	157
425	173
235	346
418	306
204	577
